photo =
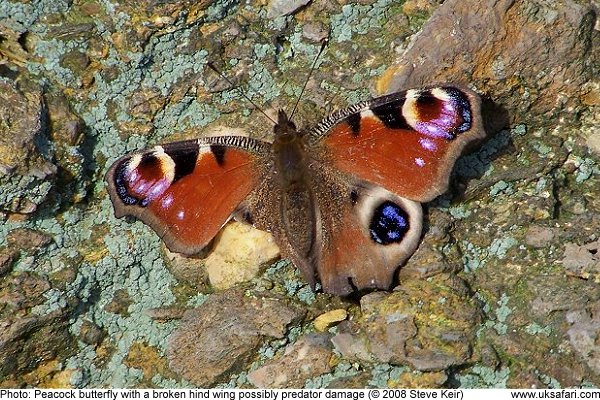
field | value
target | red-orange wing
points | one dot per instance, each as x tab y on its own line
406	142
186	191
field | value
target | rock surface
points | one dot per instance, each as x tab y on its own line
490	43
221	335
583	261
330	318
26	172
238	254
427	325
583	334
29	341
91	301
307	358
279	8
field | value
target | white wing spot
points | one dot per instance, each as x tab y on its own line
427	144
167	201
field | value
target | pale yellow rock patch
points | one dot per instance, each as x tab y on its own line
238	254
330	318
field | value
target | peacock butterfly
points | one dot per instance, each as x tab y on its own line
342	199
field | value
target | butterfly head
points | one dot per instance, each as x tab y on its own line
285	129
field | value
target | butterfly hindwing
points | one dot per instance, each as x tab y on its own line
187	190
406	142
344	233
371	234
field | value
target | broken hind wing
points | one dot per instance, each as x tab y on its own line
372	233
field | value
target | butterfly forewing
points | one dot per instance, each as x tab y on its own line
406	142
187	190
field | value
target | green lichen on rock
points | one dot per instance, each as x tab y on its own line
85	82
485	377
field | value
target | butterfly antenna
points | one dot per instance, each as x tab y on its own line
312	68
240	91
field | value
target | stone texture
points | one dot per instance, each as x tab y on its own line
67	132
91	334
28	341
7	257
238	254
584	334
419	7
359	380
27	239
413	326
14	48
152	16
221	336
307	358
279	8
189	271
420	380
329	319
149	360
315	31
539	236
583	261
144	105
428	260
353	346
24	151
550	294
536	58
120	303
163	314
22	112
135	72
50	375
